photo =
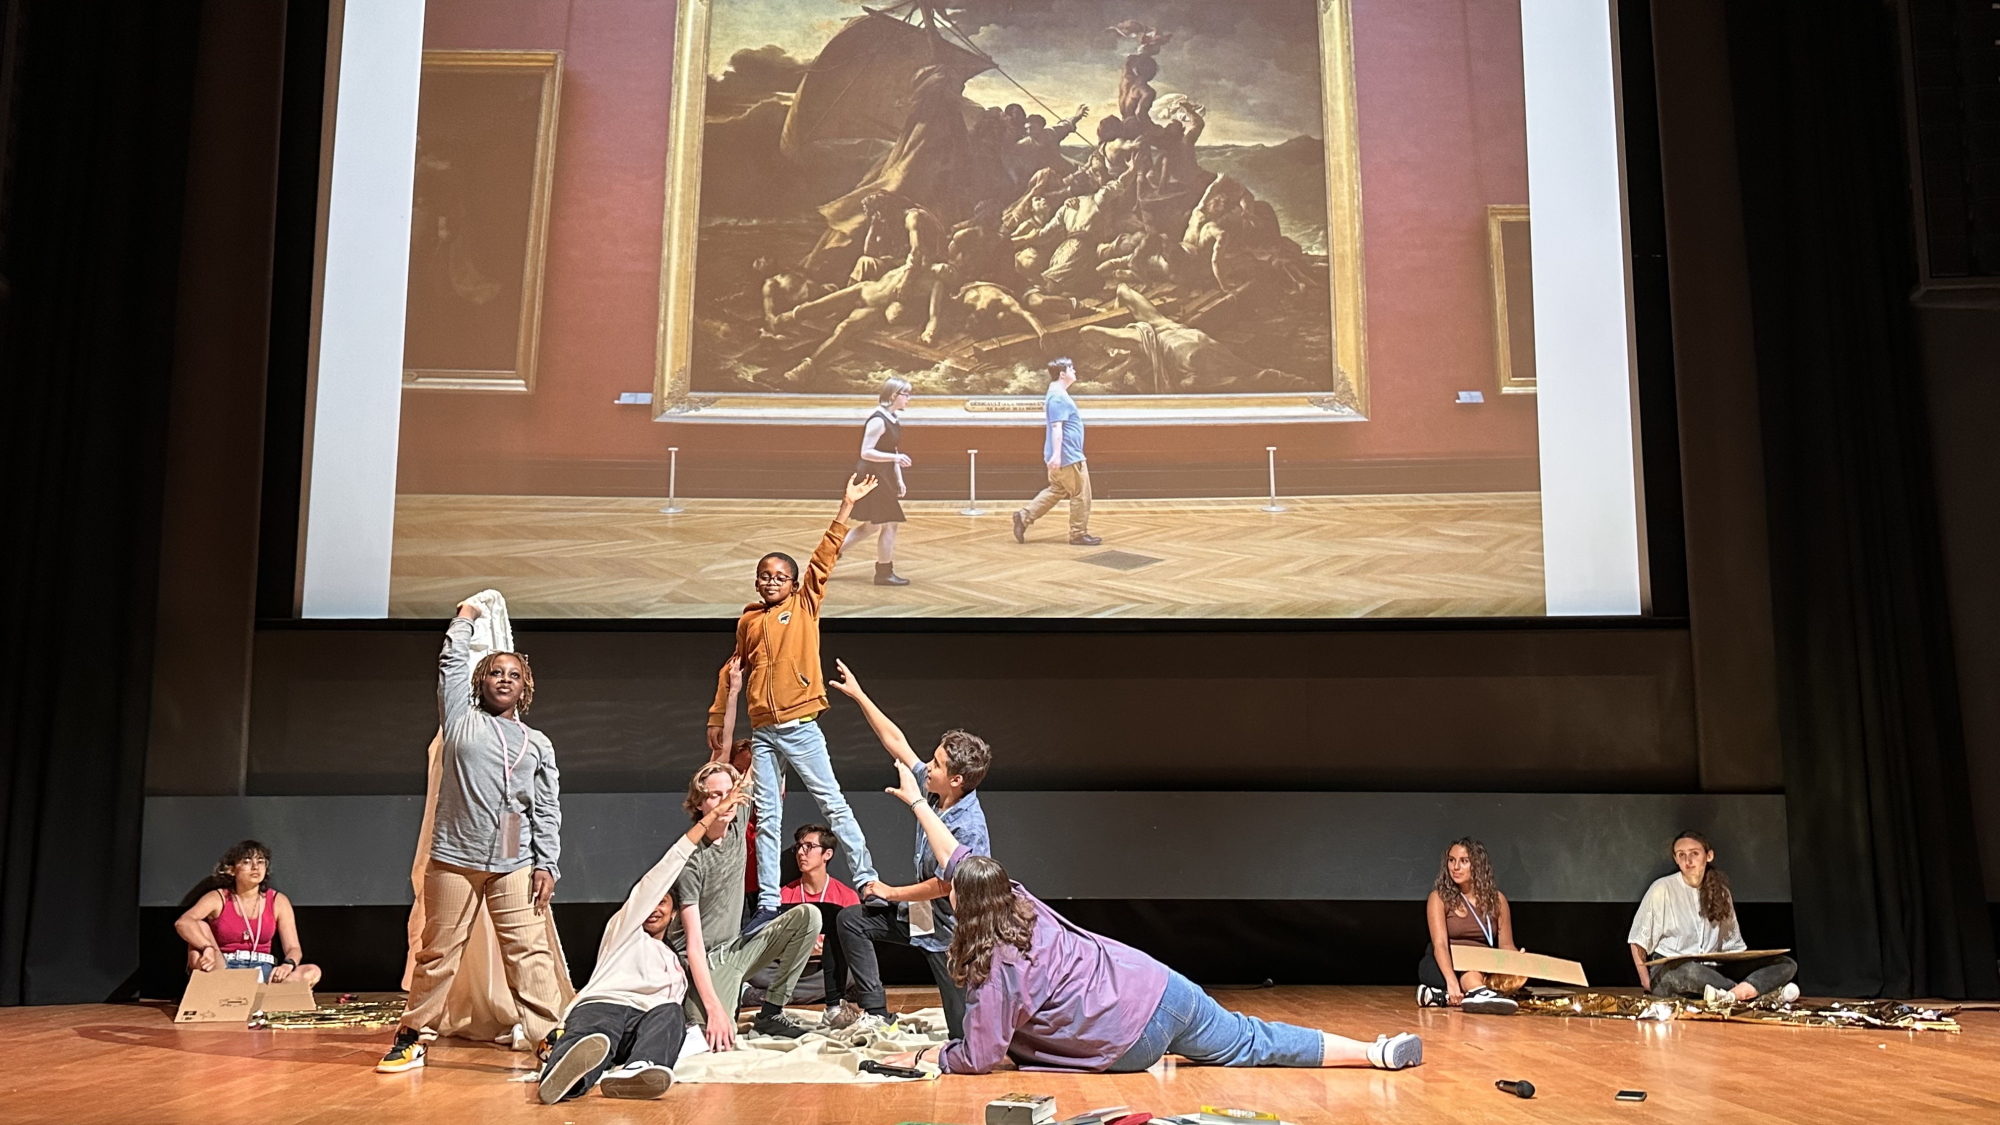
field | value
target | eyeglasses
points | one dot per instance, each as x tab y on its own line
763	579
808	845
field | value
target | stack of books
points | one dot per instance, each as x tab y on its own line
1021	1109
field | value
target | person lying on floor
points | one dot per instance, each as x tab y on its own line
1051	995
1692	912
235	923
1465	908
623	1031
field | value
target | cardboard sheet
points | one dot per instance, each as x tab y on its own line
220	996
1739	955
1510	962
287	996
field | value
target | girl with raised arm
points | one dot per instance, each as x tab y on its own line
1049	994
882	456
1465	908
236	924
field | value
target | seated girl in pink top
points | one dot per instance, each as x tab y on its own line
241	922
1051	995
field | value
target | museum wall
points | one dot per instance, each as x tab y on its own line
1442	135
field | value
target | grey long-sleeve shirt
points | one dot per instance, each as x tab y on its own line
474	792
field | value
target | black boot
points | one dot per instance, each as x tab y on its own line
885	575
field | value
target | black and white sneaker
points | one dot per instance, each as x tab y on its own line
562	1075
1428	997
1486	1002
780	1024
639	1081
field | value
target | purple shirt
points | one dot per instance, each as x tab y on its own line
1076	1001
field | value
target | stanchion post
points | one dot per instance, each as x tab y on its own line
673	481
1271	463
972	507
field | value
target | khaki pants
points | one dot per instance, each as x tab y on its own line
788	940
1071	483
451	898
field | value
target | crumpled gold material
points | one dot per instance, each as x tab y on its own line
354	1013
1886	1015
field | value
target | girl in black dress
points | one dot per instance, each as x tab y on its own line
881	510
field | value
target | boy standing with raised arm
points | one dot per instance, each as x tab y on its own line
777	647
920	914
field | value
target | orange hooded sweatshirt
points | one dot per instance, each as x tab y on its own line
779	647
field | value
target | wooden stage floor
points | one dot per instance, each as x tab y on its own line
129	1063
1463	555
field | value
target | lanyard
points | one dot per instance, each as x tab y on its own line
508	766
1483	927
256	936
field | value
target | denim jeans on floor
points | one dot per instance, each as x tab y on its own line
1191	1024
803	748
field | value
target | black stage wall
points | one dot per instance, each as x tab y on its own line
1748	693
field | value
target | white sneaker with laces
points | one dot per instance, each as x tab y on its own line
1428	997
639	1081
1485	1001
1394	1052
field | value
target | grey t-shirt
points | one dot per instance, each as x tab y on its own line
713	881
491	768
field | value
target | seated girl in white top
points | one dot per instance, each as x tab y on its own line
237	923
1690	913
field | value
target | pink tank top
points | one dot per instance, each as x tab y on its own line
254	936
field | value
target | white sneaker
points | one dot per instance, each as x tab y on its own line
639	1081
1716	998
559	1077
1428	997
1394	1052
1486	1002
1785	996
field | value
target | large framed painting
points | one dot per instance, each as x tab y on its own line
486	142
1167	191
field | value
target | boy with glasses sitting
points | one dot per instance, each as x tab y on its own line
814	846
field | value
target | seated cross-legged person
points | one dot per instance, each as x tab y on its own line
815	845
918	915
1465	908
707	925
1050	994
235	924
627	1023
1691	912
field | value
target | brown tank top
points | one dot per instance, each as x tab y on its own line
1464	929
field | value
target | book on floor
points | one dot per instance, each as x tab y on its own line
1021	1109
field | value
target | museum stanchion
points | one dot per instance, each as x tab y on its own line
1271	464
972	507
673	507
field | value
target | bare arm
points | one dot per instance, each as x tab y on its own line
1441	946
721	1024
288	940
721	738
194	929
1639	963
942	842
916	892
890	735
870	434
1055	443
1506	925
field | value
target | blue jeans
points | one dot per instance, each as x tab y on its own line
803	748
1190	1023
249	961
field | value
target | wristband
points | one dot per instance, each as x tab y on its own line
292	961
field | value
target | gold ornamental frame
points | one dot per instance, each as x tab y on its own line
527	343
674	400
1498	217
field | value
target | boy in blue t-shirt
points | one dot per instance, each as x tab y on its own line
1062	450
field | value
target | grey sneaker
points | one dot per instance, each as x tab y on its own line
1394	1052
640	1081
781	1024
564	1073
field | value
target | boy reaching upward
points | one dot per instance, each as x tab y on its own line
920	914
777	648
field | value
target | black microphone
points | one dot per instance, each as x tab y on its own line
1521	1089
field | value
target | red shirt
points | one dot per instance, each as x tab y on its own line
836	892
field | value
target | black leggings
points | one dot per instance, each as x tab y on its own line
1428	971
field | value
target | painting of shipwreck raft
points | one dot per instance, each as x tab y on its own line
956	193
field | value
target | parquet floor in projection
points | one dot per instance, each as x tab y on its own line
1465	554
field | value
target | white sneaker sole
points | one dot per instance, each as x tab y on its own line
647	1084
575	1063
1402	1051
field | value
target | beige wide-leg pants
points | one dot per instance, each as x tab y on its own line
451	899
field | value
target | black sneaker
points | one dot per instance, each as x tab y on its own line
560	1076
1020	526
404	1054
1486	1002
781	1024
765	916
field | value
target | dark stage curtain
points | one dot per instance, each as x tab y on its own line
1886	885
96	117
